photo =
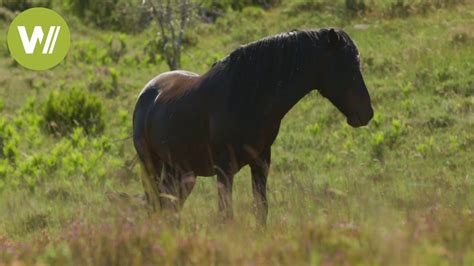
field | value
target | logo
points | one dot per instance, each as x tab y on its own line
38	38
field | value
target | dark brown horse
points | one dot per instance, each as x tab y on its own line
188	125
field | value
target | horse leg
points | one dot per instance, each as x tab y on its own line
169	188
150	180
225	179
259	170
187	182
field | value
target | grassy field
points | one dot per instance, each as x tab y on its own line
398	192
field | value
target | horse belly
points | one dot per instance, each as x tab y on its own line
181	140
190	157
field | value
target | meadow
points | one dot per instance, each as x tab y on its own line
397	192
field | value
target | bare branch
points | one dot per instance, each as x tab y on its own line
172	17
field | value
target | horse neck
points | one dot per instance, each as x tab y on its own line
304	78
299	78
298	86
271	82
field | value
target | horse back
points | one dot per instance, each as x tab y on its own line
174	84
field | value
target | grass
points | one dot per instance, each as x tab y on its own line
399	192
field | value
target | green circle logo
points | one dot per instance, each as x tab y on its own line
38	38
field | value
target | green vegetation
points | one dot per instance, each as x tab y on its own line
66	111
398	192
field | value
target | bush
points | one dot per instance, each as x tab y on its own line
117	47
212	9
238	4
241	34
403	8
111	14
20	5
6	14
297	6
65	111
104	80
9	140
356	6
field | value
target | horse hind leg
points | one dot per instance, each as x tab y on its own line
175	188
187	182
169	189
150	177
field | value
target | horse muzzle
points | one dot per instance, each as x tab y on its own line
360	119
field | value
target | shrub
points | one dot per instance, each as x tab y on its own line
403	8
6	14
9	139
111	14
356	6
241	34
237	4
65	111
104	80
117	47
20	5
298	7
212	9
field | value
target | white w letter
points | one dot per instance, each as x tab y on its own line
30	44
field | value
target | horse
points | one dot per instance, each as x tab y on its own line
187	125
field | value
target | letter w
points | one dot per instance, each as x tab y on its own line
37	36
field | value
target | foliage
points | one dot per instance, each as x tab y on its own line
20	5
385	9
6	14
237	4
127	16
356	6
65	111
8	141
402	8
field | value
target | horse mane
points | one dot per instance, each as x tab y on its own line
263	69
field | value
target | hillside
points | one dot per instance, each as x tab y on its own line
400	191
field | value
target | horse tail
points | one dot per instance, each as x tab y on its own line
140	114
150	165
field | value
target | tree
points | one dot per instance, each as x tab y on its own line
172	17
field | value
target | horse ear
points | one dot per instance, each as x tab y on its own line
333	37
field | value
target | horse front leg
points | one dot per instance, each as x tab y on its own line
225	179
259	169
